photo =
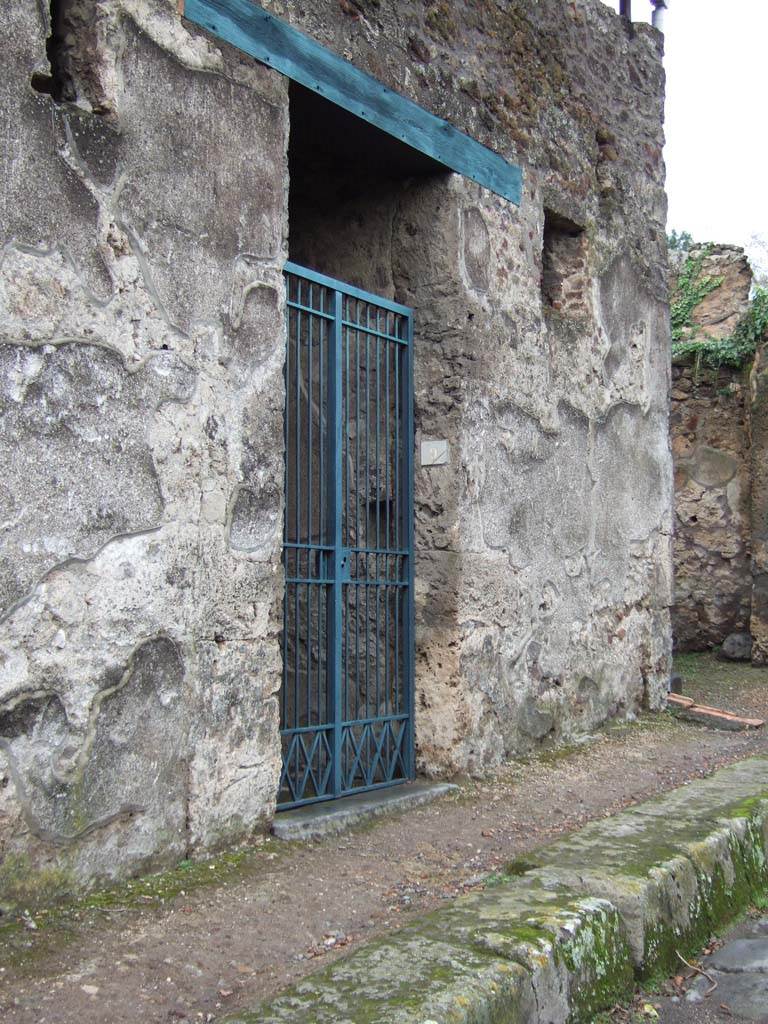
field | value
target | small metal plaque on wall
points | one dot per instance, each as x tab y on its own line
434	453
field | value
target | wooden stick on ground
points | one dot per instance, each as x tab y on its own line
704	974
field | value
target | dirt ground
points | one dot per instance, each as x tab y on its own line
162	950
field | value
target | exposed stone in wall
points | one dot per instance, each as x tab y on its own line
564	273
719	312
719	445
758	386
711	448
543	549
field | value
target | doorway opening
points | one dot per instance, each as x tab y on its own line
347	694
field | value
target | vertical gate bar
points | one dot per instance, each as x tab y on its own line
397	516
388	540
366	496
397	455
296	588
345	337
378	416
319	686
322	414
296	510
335	394
310	588
321	526
409	695
367	482
357	443
297	439
367	642
345	520
377	498
358	487
287	384
310	532
310	364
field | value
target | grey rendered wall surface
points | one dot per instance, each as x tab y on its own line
141	355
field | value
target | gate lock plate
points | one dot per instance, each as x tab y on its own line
343	563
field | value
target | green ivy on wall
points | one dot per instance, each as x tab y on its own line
691	289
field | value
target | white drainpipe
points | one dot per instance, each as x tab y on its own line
659	10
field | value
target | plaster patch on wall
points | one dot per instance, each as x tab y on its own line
78	461
127	761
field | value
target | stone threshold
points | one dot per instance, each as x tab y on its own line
566	933
331	817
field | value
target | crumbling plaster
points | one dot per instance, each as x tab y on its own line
141	381
144	232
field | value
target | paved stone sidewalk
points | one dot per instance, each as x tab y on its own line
740	968
564	934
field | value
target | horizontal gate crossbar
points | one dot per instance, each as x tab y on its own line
379	551
352	722
351	324
309	309
308	547
365	329
325	727
346	289
352	582
277	44
377	720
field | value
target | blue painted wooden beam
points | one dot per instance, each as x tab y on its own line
274	42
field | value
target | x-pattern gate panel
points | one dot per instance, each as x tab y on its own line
347	694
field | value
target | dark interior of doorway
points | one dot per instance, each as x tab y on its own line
348	182
346	178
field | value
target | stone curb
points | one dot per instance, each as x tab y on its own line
566	934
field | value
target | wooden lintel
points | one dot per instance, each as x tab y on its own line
277	44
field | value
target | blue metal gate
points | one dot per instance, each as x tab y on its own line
346	704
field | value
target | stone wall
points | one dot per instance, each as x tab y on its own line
719	454
711	449
543	548
145	225
141	392
758	395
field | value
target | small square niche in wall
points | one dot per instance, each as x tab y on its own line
564	275
434	453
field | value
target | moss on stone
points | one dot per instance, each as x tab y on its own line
520	866
25	887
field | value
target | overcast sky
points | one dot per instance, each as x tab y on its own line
716	59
